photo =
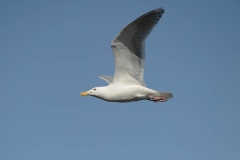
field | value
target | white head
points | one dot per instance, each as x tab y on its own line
96	92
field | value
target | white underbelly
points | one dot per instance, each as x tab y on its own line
126	94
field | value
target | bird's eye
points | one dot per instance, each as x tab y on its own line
94	89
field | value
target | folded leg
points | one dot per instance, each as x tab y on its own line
157	98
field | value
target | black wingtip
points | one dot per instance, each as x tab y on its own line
160	10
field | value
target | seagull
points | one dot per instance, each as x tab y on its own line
128	48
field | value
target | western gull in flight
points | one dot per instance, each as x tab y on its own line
128	47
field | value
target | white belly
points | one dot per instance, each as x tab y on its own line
127	93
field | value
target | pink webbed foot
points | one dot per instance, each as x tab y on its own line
157	98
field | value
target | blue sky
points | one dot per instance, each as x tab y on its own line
50	51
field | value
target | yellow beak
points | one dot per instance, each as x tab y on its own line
84	94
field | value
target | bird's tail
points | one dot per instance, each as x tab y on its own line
168	95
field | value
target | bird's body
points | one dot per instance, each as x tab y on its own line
128	47
124	93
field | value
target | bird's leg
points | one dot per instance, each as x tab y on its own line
157	98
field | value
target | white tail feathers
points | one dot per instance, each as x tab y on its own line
166	94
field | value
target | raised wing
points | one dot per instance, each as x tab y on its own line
109	79
129	48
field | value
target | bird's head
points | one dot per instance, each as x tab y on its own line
96	92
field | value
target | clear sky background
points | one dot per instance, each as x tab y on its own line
50	51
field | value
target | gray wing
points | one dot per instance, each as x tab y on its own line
109	79
129	48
